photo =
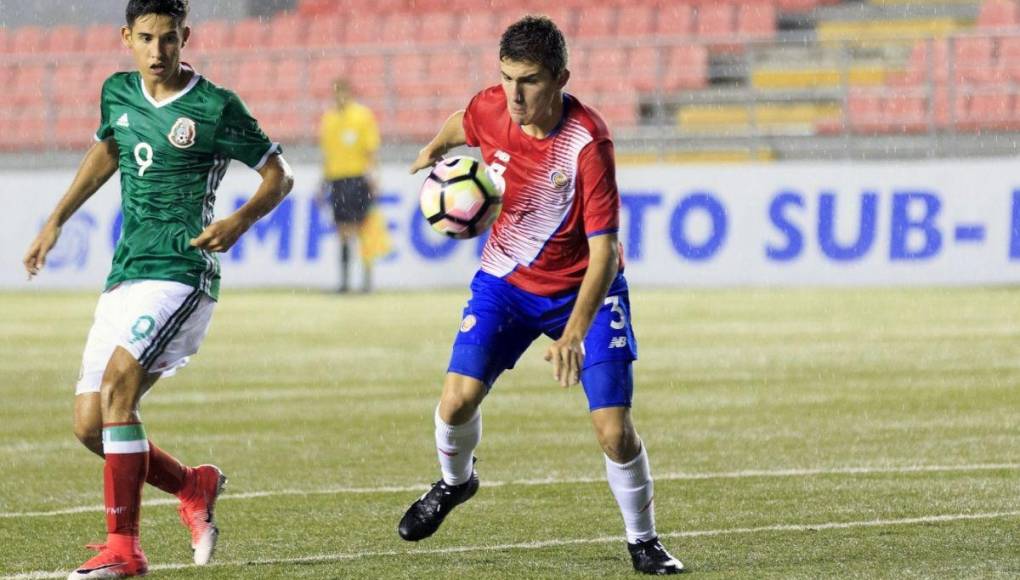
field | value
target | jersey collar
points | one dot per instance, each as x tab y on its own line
158	104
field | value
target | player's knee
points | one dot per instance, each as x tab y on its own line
618	441
460	400
91	436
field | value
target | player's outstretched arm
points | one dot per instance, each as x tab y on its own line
567	353
450	135
98	165
277	181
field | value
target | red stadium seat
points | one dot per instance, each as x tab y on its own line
24	128
1008	63
249	34
364	28
4	36
756	21
434	28
27	40
607	70
972	60
29	86
102	38
998	14
797	5
74	76
66	38
688	68
399	29
905	112
715	22
325	32
646	67
596	21
211	35
287	31
619	109
674	20
477	28
634	21
323	72
408	73
252	81
988	108
366	74
75	126
864	111
290	78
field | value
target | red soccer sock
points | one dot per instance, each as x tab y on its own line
165	471
127	461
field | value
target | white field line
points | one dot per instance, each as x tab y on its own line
554	481
339	557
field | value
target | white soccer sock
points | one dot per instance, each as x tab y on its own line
633	489
455	445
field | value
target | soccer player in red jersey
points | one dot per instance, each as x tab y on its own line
552	266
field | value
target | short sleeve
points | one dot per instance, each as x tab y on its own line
105	130
470	132
238	135
597	183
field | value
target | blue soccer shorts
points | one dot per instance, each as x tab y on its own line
500	321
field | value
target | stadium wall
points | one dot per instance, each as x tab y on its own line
831	224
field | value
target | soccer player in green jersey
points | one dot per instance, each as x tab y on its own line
171	133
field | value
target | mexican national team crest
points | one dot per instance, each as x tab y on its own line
182	134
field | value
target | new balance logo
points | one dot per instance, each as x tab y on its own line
618	342
123	121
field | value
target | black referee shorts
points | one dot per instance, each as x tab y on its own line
351	198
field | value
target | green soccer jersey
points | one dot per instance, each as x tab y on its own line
173	154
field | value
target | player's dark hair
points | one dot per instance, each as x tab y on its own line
535	39
175	9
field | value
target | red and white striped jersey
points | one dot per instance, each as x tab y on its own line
559	191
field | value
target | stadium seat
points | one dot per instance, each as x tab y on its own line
756	21
325	31
1008	63
27	40
674	20
323	72
988	108
287	31
290	78
687	68
363	28
249	34
476	28
102	38
619	109
75	126
607	69
4	35
864	111
400	29
73	74
995	14
634	21
29	86
212	35
367	75
24	128
715	22
65	38
596	21
407	71
905	112
434	28
972	59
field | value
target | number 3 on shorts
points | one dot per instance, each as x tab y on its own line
618	310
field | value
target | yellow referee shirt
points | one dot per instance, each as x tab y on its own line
348	138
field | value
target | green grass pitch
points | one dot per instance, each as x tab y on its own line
794	433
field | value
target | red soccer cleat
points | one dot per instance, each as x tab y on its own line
204	485
109	563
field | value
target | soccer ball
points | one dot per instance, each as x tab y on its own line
459	198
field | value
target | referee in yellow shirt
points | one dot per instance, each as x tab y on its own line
349	139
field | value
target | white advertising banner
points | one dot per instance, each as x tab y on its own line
846	224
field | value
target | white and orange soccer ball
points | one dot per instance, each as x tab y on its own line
459	198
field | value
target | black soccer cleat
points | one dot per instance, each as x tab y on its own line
649	557
425	515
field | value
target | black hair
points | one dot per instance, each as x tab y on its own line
175	9
535	39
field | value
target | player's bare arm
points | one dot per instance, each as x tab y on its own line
567	353
450	135
277	181
98	165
